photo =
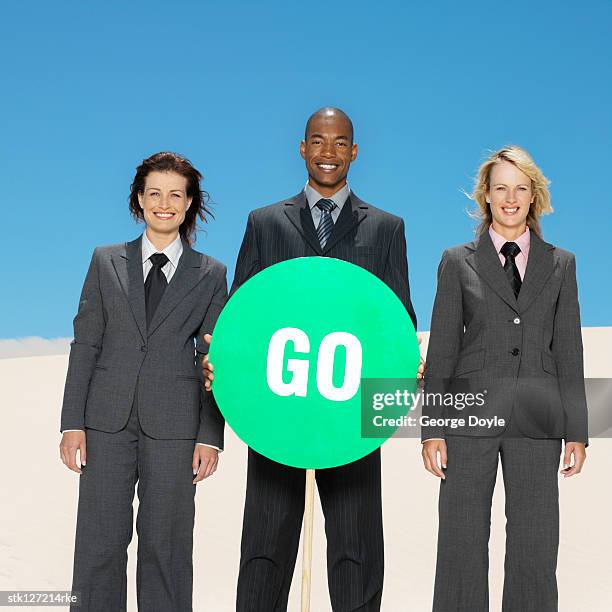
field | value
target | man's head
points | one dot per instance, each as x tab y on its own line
328	149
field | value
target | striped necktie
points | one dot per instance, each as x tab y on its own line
326	223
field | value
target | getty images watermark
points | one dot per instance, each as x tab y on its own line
40	598
404	407
402	404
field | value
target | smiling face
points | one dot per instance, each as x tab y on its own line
510	195
328	151
164	203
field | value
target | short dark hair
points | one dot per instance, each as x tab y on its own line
167	161
328	110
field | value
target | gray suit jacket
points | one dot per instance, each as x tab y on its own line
114	358
526	353
362	235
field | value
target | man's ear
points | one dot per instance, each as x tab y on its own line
303	149
353	152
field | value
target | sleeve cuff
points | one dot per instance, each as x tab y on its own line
210	446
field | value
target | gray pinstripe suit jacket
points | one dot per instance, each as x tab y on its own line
526	352
363	235
114	357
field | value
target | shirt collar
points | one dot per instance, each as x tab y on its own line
173	251
339	198
523	241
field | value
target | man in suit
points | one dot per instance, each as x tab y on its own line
325	219
134	405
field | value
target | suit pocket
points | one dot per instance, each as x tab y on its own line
472	362
548	364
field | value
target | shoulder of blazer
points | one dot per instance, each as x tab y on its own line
375	213
206	263
121	248
562	255
461	251
264	212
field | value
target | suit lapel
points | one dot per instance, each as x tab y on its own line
298	212
188	274
128	266
540	265
352	214
485	261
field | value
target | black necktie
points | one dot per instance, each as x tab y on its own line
510	250
326	223
155	285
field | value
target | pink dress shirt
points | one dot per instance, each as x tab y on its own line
523	241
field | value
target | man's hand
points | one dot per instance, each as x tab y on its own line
577	449
434	464
421	370
205	461
207	367
73	441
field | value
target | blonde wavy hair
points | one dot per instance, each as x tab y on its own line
539	185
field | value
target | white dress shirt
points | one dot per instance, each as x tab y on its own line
173	252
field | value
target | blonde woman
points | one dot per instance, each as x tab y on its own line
506	329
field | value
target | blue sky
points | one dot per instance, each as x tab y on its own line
90	89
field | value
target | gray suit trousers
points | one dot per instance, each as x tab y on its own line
162	468
530	470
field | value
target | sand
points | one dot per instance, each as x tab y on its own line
39	498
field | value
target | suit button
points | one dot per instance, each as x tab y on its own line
515	351
143	348
516	321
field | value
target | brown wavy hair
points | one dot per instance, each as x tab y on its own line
167	161
539	185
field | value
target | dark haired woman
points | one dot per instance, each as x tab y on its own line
134	407
506	328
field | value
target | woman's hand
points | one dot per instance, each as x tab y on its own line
73	441
205	461
434	457
577	449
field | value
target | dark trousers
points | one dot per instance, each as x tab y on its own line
530	470
351	501
162	468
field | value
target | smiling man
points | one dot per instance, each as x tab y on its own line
325	219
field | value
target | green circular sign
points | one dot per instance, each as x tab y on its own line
290	349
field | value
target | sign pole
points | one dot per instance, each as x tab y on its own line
307	542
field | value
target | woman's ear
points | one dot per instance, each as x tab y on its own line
140	198
189	201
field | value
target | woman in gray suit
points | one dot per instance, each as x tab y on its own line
134	406
505	341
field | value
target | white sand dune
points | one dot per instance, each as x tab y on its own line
39	497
